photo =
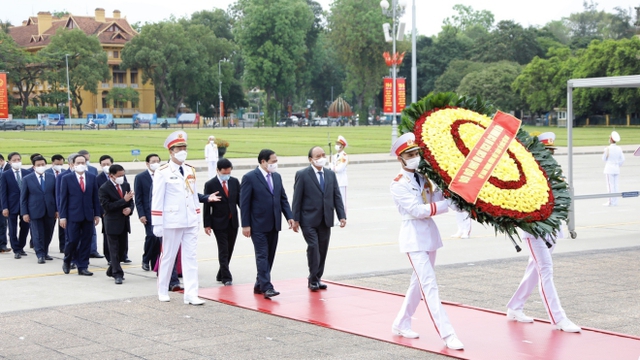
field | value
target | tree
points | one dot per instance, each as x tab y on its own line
456	71
328	73
508	41
494	83
5	26
467	18
87	63
272	36
120	96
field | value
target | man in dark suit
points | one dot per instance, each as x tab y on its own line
316	195
103	177
94	239
116	199
56	170
4	165
10	184
3	220
142	186
222	216
262	201
79	214
38	207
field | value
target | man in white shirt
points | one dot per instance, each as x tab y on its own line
613	158
211	156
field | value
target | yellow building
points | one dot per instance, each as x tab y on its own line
114	32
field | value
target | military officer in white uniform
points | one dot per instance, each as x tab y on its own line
175	215
417	202
339	166
539	272
211	156
613	158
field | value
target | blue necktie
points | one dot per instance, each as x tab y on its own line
417	177
42	182
321	180
181	171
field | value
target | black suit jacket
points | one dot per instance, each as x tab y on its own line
142	187
259	208
115	222
216	214
310	204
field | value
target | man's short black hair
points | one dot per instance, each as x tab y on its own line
105	157
224	163
33	156
12	154
265	154
152	155
311	151
1	157
57	157
83	152
37	158
115	168
73	160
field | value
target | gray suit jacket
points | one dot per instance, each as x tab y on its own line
311	205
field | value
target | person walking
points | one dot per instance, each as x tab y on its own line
10	185
613	158
142	186
339	166
57	161
211	156
316	196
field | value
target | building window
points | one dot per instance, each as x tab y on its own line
71	24
116	54
134	76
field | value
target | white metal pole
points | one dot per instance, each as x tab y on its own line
394	123
414	69
220	90
66	58
572	215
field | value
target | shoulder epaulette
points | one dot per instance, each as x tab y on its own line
185	164
398	177
163	166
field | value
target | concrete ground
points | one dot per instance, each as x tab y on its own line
46	313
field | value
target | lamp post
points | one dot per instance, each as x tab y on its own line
414	69
220	87
66	58
198	107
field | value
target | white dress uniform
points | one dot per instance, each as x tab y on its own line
463	220
613	158
211	156
175	207
419	238
339	166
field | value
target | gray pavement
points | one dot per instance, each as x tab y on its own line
44	311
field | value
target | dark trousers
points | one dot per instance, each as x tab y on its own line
151	246
62	239
106	251
41	234
18	241
264	246
226	240
78	246
117	248
317	239
3	232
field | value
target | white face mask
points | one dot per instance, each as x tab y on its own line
154	166
338	147
57	168
120	180
212	142
80	168
272	167
106	169
181	155
412	163
320	162
16	165
40	169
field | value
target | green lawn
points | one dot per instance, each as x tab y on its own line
247	142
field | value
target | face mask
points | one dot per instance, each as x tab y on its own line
320	162
40	169
212	142
88	162
16	165
181	155
154	166
120	180
80	168
338	147
412	163
224	177
106	169
272	168
57	168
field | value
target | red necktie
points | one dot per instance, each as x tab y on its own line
56	174
224	187
119	190
82	183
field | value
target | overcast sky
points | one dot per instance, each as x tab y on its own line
429	13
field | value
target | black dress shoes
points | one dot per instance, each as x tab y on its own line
228	283
314	286
17	256
4	250
256	290
176	288
127	261
47	257
65	267
73	266
84	272
41	260
96	255
118	281
22	253
322	286
146	267
270	293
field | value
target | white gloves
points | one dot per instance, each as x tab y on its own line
453	205
157	230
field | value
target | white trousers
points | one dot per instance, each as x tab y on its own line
343	194
171	242
464	223
423	285
613	180
539	272
213	170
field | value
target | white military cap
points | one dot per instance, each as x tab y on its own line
404	143
342	140
615	136
547	138
176	138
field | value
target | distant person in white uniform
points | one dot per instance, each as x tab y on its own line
418	201
613	159
211	156
463	220
339	166
175	215
539	272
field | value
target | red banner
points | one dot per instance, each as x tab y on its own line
221	109
484	157
4	97
387	95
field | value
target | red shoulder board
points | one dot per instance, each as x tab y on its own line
398	177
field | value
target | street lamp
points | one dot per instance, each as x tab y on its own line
220	87
198	107
66	58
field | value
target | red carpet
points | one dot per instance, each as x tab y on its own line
486	334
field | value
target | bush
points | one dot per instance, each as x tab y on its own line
222	143
33	111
